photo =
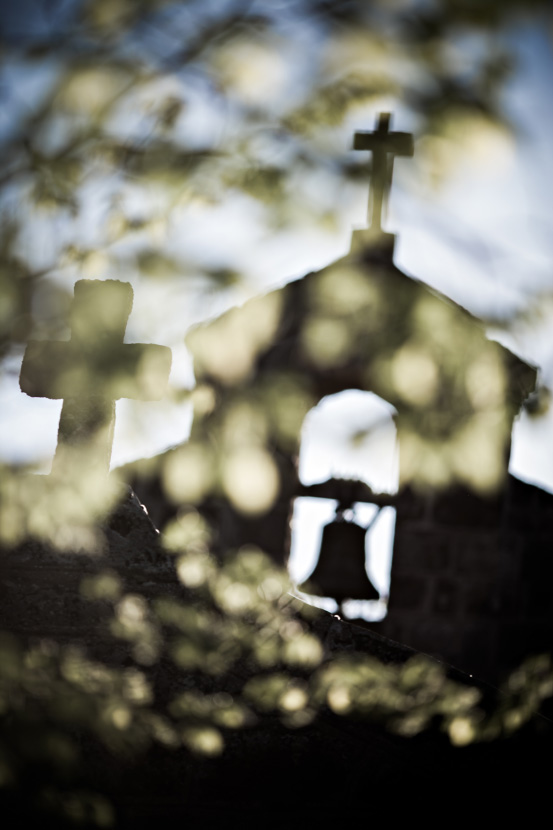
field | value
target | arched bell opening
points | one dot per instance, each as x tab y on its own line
348	446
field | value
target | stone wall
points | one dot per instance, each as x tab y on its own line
471	578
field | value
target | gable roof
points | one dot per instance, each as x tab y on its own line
324	323
361	323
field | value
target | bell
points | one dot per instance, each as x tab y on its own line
340	571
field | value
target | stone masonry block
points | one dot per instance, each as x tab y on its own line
482	600
544	511
446	597
477	555
408	592
435	638
421	551
462	508
478	653
537	557
521	504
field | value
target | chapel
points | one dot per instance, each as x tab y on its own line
470	540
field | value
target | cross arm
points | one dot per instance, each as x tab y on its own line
63	370
47	368
398	144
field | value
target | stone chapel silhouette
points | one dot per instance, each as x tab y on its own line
469	580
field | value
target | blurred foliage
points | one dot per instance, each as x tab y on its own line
63	512
237	628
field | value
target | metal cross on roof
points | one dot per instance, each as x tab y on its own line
92	370
384	146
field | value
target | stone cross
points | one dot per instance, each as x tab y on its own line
384	146
92	370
